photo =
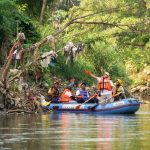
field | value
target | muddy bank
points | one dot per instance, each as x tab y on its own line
25	97
27	100
141	92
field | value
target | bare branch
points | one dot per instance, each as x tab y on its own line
103	23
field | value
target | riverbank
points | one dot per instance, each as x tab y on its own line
29	100
26	96
141	92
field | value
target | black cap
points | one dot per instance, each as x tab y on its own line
83	83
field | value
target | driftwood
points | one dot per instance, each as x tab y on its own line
19	111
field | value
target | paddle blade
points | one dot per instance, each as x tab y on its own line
87	72
93	107
77	107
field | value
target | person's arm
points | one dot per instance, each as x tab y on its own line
89	73
88	95
93	76
51	91
78	94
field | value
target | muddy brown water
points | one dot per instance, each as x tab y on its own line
70	131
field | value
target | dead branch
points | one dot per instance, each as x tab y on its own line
20	111
16	76
103	23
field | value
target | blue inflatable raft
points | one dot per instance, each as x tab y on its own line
124	106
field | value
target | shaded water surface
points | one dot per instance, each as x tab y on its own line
69	131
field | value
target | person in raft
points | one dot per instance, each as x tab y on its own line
53	92
67	96
105	86
119	90
82	95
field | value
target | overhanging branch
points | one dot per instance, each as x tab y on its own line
102	23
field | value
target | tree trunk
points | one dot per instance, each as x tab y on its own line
42	11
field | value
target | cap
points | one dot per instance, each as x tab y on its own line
106	73
120	81
83	83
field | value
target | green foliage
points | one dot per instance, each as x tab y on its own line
33	7
71	70
140	58
122	34
7	20
32	35
45	30
14	19
7	23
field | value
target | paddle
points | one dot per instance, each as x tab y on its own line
87	72
142	102
77	107
93	107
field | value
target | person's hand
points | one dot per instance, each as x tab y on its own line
80	96
114	95
94	95
87	72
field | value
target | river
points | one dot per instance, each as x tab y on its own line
69	131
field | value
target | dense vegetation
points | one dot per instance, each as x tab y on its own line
116	35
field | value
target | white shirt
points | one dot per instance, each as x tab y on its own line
68	93
122	90
78	93
105	92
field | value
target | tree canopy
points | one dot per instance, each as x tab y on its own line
116	33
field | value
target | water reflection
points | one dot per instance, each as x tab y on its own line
98	132
69	131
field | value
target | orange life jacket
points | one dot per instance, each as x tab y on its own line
65	98
104	84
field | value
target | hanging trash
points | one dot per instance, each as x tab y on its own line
48	59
